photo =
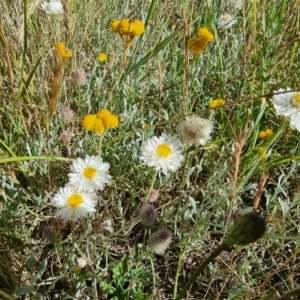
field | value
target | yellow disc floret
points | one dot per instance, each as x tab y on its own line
75	200
164	150
89	172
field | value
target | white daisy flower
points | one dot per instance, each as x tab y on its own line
288	105
195	130
163	153
54	7
73	204
226	21
89	174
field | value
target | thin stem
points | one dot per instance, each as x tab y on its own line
201	268
151	187
288	295
154	279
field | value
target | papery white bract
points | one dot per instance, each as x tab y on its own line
73	204
54	7
89	174
226	21
163	153
288	105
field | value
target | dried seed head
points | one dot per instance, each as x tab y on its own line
67	114
107	227
66	136
79	77
160	240
148	215
49	234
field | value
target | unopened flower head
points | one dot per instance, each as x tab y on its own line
153	196
265	134
89	174
163	153
247	229
288	104
216	103
73	204
160	241
148	215
54	7
226	21
63	51
195	130
79	77
102	57
262	152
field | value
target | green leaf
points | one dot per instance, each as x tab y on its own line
42	269
23	290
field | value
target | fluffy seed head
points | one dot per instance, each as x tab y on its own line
148	215
160	240
195	130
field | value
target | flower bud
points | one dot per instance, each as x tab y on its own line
247	229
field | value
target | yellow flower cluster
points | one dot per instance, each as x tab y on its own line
128	29
265	134
198	45
262	152
100	122
216	103
63	51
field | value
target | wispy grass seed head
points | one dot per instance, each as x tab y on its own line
79	77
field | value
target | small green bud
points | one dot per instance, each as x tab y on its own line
247	229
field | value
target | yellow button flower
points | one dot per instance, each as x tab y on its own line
216	103
204	33
262	152
102	57
88	122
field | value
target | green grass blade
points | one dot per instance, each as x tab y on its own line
153	53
